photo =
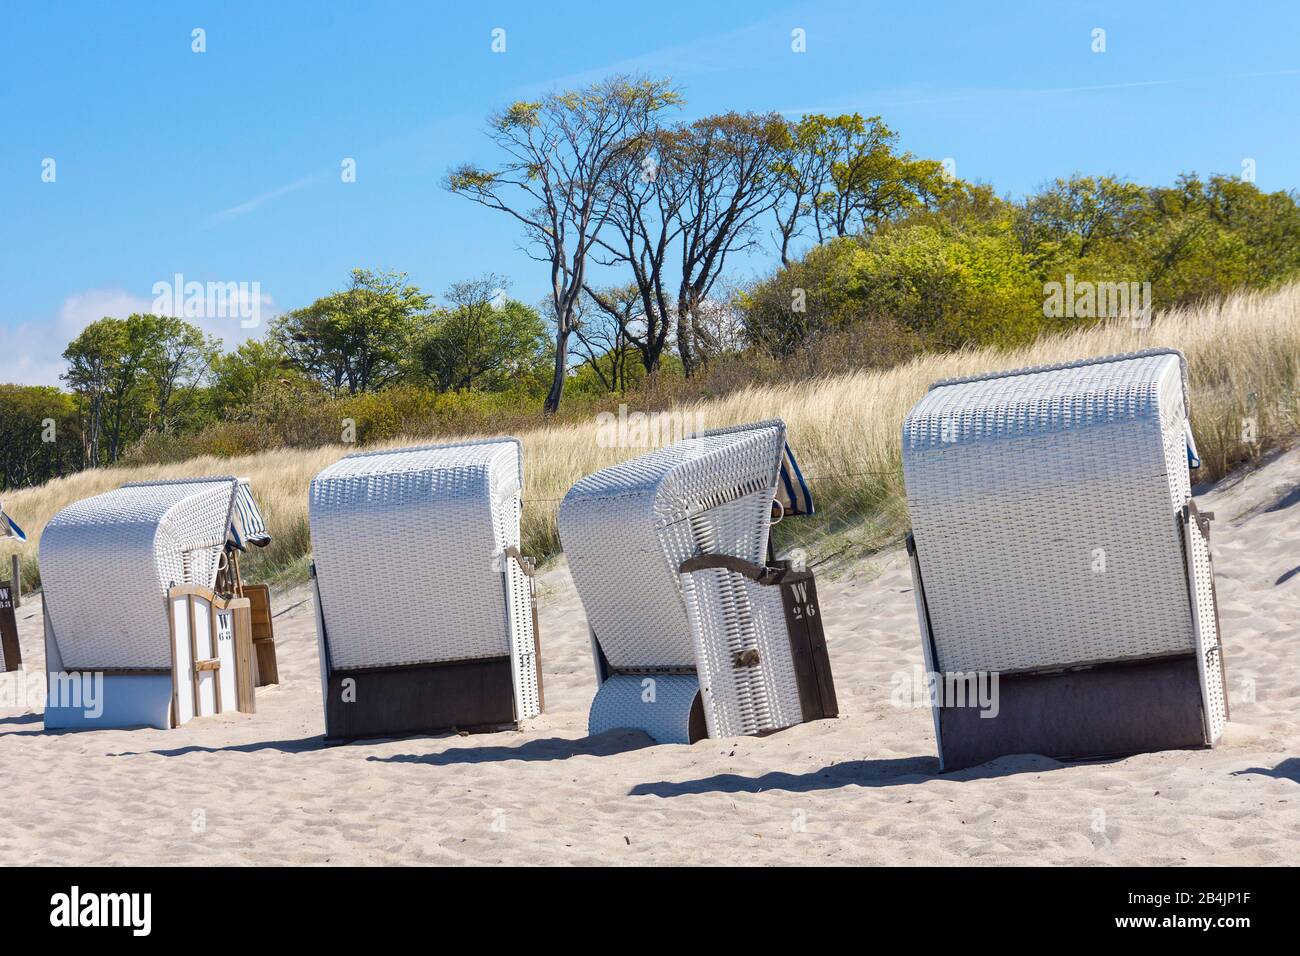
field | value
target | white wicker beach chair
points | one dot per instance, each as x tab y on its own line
1055	544
107	564
693	634
425	616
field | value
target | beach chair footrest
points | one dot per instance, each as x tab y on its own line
666	707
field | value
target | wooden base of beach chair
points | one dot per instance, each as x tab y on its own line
1102	711
11	654
84	700
420	699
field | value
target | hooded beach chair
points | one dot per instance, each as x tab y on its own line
424	605
694	632
145	625
1056	547
11	655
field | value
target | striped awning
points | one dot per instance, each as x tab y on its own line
9	528
792	493
247	526
1193	456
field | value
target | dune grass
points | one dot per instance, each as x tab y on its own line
1244	354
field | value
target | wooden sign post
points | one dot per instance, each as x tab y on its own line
11	655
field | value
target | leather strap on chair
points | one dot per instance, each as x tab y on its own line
755	572
1202	518
525	564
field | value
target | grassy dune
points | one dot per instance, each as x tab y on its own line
1245	365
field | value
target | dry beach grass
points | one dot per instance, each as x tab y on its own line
1244	355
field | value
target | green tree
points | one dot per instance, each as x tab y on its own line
606	341
1193	240
866	182
844	175
130	375
554	181
106	370
92	357
952	286
935	282
482	340
1073	219
679	208
356	340
725	163
39	437
805	300
239	376
1207	237
175	361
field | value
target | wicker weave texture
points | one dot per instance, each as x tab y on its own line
1044	505
1210	650
731	615
519	611
628	528
408	547
658	705
107	562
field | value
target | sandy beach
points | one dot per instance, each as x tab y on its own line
862	789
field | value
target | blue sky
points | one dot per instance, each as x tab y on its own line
225	165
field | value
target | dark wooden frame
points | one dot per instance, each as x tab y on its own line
10	647
1107	710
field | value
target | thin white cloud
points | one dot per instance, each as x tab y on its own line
243	208
894	99
34	349
35	352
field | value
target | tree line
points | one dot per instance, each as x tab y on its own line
150	380
638	221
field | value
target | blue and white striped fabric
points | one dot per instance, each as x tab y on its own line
1193	456
9	528
247	526
791	490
